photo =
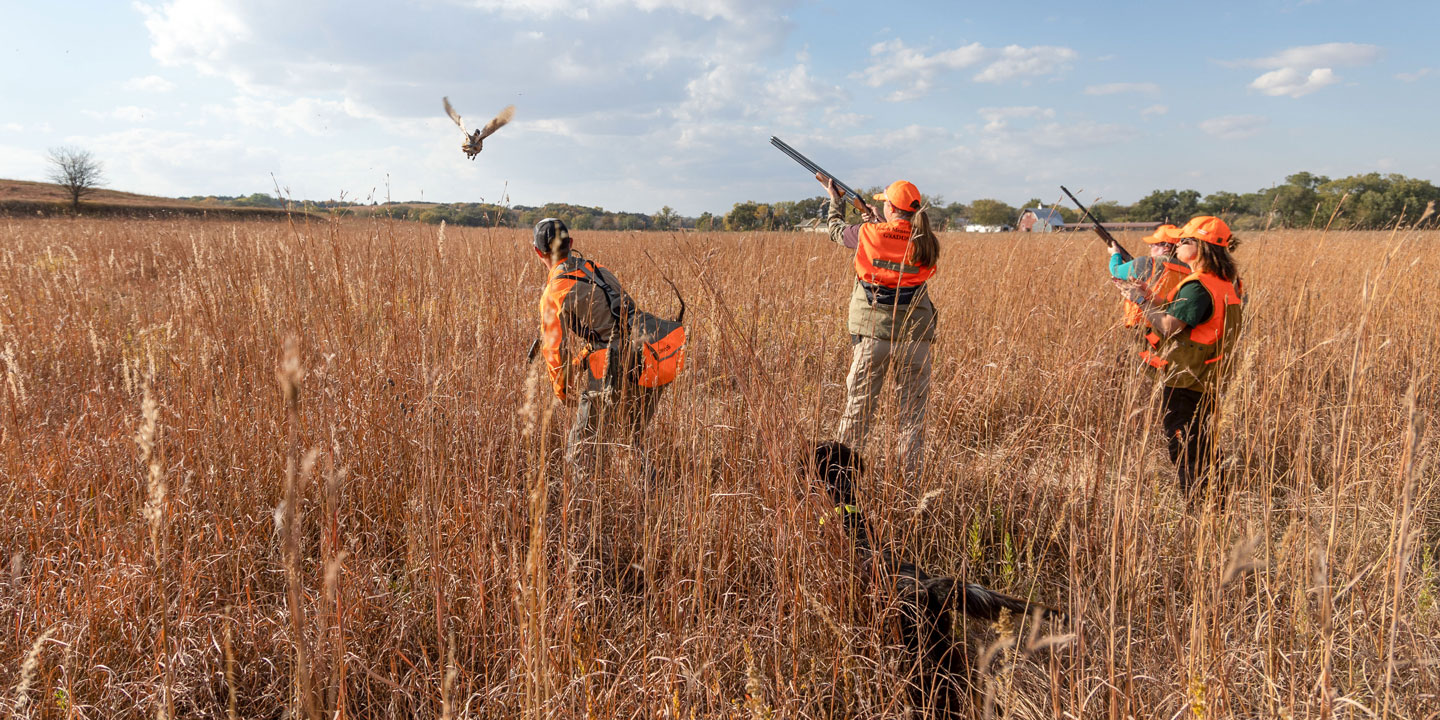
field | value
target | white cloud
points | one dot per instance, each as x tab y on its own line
1292	82
1309	57
784	96
24	163
319	116
1085	133
1235	127
148	83
998	118
400	64
1122	87
841	120
1413	76
124	113
1016	61
912	72
13	127
1032	148
1155	110
586	9
194	31
791	94
1299	71
179	163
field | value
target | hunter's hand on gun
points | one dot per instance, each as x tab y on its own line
1115	247
1133	290
838	196
839	191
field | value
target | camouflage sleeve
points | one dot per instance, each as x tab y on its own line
840	233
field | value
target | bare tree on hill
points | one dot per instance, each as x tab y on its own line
76	170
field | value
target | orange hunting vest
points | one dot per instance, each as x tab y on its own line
1192	358
1163	280
882	263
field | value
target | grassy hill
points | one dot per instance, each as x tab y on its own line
22	197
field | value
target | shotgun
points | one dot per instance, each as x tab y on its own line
1100	230
805	162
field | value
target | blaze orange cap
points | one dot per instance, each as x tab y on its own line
1207	228
902	194
1164	234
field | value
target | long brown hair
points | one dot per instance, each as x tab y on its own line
924	245
1217	260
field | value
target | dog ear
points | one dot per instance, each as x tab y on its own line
847	457
835	466
942	590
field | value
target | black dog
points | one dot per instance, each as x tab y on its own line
924	601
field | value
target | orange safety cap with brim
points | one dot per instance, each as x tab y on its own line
1207	228
1164	234
902	194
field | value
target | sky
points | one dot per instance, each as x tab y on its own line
637	104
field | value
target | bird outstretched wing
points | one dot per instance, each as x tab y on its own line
498	122
455	116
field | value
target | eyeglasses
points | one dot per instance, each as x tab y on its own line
1186	241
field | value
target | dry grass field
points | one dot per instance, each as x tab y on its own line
375	522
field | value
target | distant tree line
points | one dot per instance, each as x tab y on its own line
1369	201
1305	200
578	217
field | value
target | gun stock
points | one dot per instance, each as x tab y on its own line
805	162
1100	229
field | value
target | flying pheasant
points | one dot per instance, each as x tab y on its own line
474	140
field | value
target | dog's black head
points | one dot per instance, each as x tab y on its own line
837	466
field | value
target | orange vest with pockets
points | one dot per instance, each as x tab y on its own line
882	262
1192	357
563	278
658	344
1163	280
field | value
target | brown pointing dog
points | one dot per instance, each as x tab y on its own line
925	602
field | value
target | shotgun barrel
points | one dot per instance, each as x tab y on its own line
850	194
1100	230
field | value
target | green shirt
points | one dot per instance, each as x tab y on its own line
1192	304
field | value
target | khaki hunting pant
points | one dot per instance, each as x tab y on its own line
872	358
618	416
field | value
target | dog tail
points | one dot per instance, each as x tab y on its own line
986	604
679	317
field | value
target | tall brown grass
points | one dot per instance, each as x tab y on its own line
390	531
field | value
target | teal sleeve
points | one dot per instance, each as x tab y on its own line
1120	269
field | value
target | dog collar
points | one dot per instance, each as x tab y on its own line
842	511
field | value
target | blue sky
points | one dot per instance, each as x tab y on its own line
636	104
